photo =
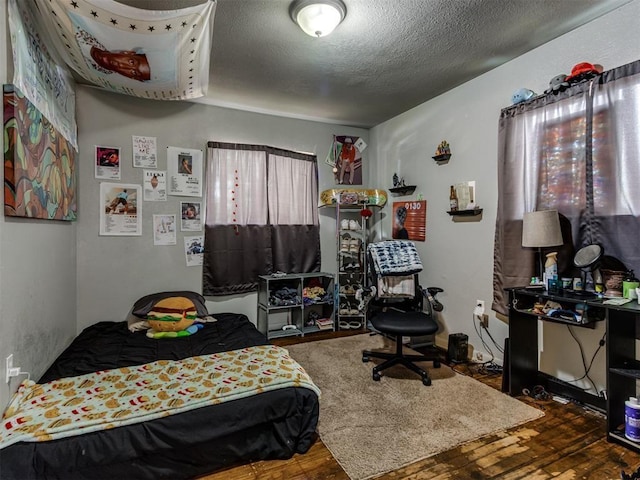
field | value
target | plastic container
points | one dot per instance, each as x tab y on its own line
629	285
632	419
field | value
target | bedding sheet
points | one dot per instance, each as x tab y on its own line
273	424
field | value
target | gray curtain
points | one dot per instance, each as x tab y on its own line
578	152
261	216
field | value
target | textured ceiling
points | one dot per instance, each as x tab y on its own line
386	57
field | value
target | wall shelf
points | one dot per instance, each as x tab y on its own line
465	213
404	190
442	158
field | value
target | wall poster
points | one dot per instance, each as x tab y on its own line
107	162
191	216
410	220
120	211
144	152
164	229
184	166
155	185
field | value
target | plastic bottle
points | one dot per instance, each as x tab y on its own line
551	268
453	199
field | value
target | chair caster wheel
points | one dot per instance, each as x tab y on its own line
365	359
426	382
436	364
376	376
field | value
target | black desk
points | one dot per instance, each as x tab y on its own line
622	365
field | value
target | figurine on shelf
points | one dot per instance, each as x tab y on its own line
396	181
443	148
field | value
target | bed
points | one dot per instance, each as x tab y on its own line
265	424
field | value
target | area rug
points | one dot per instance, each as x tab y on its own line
375	427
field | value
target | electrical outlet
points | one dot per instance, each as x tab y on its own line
11	370
479	308
9	367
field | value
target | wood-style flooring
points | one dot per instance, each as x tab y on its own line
568	443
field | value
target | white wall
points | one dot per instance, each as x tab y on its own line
113	272
37	279
458	256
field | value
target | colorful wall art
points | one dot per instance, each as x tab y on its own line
39	163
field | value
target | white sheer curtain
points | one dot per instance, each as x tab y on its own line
291	187
236	187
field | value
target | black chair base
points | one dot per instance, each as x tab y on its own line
401	358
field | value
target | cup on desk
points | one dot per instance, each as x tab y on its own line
567	283
577	283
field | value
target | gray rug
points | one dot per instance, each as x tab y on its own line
375	427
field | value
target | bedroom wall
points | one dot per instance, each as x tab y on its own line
458	256
113	272
37	278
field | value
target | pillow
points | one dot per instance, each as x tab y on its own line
143	306
137	317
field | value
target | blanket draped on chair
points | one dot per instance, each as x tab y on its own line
395	257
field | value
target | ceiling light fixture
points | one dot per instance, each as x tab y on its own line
318	17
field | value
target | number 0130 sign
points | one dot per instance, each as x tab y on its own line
410	220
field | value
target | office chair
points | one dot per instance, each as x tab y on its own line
396	304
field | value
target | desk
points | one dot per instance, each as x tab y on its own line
622	364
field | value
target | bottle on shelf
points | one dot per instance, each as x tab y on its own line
453	199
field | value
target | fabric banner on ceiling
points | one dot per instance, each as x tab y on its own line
37	72
161	55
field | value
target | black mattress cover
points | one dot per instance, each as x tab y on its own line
274	424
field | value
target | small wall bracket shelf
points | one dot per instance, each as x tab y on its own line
403	190
441	159
465	213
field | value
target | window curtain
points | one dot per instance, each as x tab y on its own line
261	216
577	152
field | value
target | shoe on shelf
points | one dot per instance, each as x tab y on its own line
353	310
354	245
344	224
345	308
344	325
354	225
345	243
354	325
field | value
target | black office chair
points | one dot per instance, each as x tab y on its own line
399	316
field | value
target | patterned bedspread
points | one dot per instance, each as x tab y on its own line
113	398
395	257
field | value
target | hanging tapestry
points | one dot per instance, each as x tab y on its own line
156	54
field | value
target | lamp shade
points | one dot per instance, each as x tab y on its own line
318	18
541	229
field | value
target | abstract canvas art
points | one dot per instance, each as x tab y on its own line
39	163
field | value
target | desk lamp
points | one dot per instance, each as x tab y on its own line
541	229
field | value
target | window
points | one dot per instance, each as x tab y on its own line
261	217
577	152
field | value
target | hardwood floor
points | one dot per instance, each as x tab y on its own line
568	443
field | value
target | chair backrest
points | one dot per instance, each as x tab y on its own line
392	268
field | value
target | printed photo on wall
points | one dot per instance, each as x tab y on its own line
120	211
155	185
107	163
410	220
144	152
191	214
184	167
346	159
193	250
164	229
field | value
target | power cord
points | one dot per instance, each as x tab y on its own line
587	368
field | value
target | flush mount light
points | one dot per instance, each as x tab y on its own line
318	17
